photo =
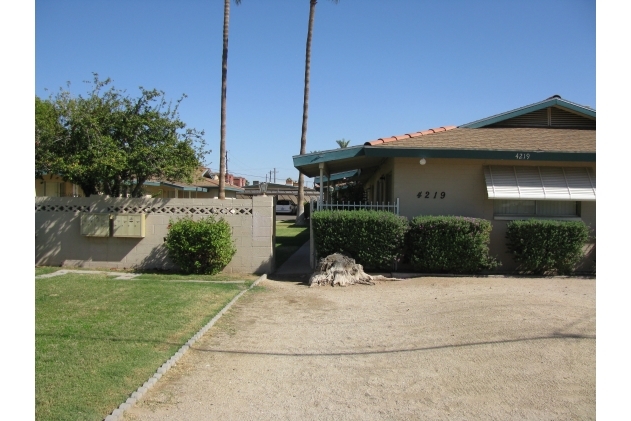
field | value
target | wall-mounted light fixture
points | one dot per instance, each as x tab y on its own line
422	161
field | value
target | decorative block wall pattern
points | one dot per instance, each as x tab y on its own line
58	239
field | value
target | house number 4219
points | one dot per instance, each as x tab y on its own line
430	195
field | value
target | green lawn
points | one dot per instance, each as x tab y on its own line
289	238
98	339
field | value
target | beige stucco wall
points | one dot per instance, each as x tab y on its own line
68	189
465	194
373	182
58	239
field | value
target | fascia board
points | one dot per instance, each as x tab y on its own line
325	156
184	188
576	108
528	109
508	155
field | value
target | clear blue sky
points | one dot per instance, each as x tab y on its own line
378	68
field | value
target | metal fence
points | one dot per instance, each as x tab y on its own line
376	206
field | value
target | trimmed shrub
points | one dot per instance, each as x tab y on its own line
203	247
544	246
439	244
374	239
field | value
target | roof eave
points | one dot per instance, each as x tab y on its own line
330	155
508	154
588	112
184	188
337	176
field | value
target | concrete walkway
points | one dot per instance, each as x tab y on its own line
297	264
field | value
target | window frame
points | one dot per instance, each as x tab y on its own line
513	217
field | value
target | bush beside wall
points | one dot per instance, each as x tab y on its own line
374	239
546	247
449	244
203	247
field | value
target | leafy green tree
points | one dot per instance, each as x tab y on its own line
47	129
342	143
110	142
300	218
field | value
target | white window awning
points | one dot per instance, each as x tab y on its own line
540	183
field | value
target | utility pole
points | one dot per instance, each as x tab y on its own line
274	175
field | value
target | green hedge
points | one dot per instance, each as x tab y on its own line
204	246
545	246
440	244
374	239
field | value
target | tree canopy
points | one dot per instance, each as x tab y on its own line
111	142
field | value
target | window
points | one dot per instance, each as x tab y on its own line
536	208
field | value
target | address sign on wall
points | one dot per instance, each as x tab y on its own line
430	195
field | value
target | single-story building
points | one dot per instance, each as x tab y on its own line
536	161
287	191
205	184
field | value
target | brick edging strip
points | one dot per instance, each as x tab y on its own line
139	393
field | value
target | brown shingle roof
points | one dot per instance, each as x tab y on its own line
546	140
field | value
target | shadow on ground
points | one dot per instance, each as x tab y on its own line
301	278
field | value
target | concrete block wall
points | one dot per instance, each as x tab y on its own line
58	239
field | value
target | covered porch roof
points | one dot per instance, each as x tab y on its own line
338	161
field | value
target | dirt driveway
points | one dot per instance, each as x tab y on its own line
424	348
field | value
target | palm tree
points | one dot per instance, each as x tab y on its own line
224	80
300	218
342	143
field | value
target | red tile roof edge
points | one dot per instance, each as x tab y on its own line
383	140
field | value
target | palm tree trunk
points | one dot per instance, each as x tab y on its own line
300	218
224	81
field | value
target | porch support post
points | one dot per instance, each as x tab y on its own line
321	166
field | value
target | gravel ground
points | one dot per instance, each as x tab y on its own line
423	348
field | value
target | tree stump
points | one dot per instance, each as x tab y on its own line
337	269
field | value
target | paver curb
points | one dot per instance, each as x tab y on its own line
139	393
118	275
